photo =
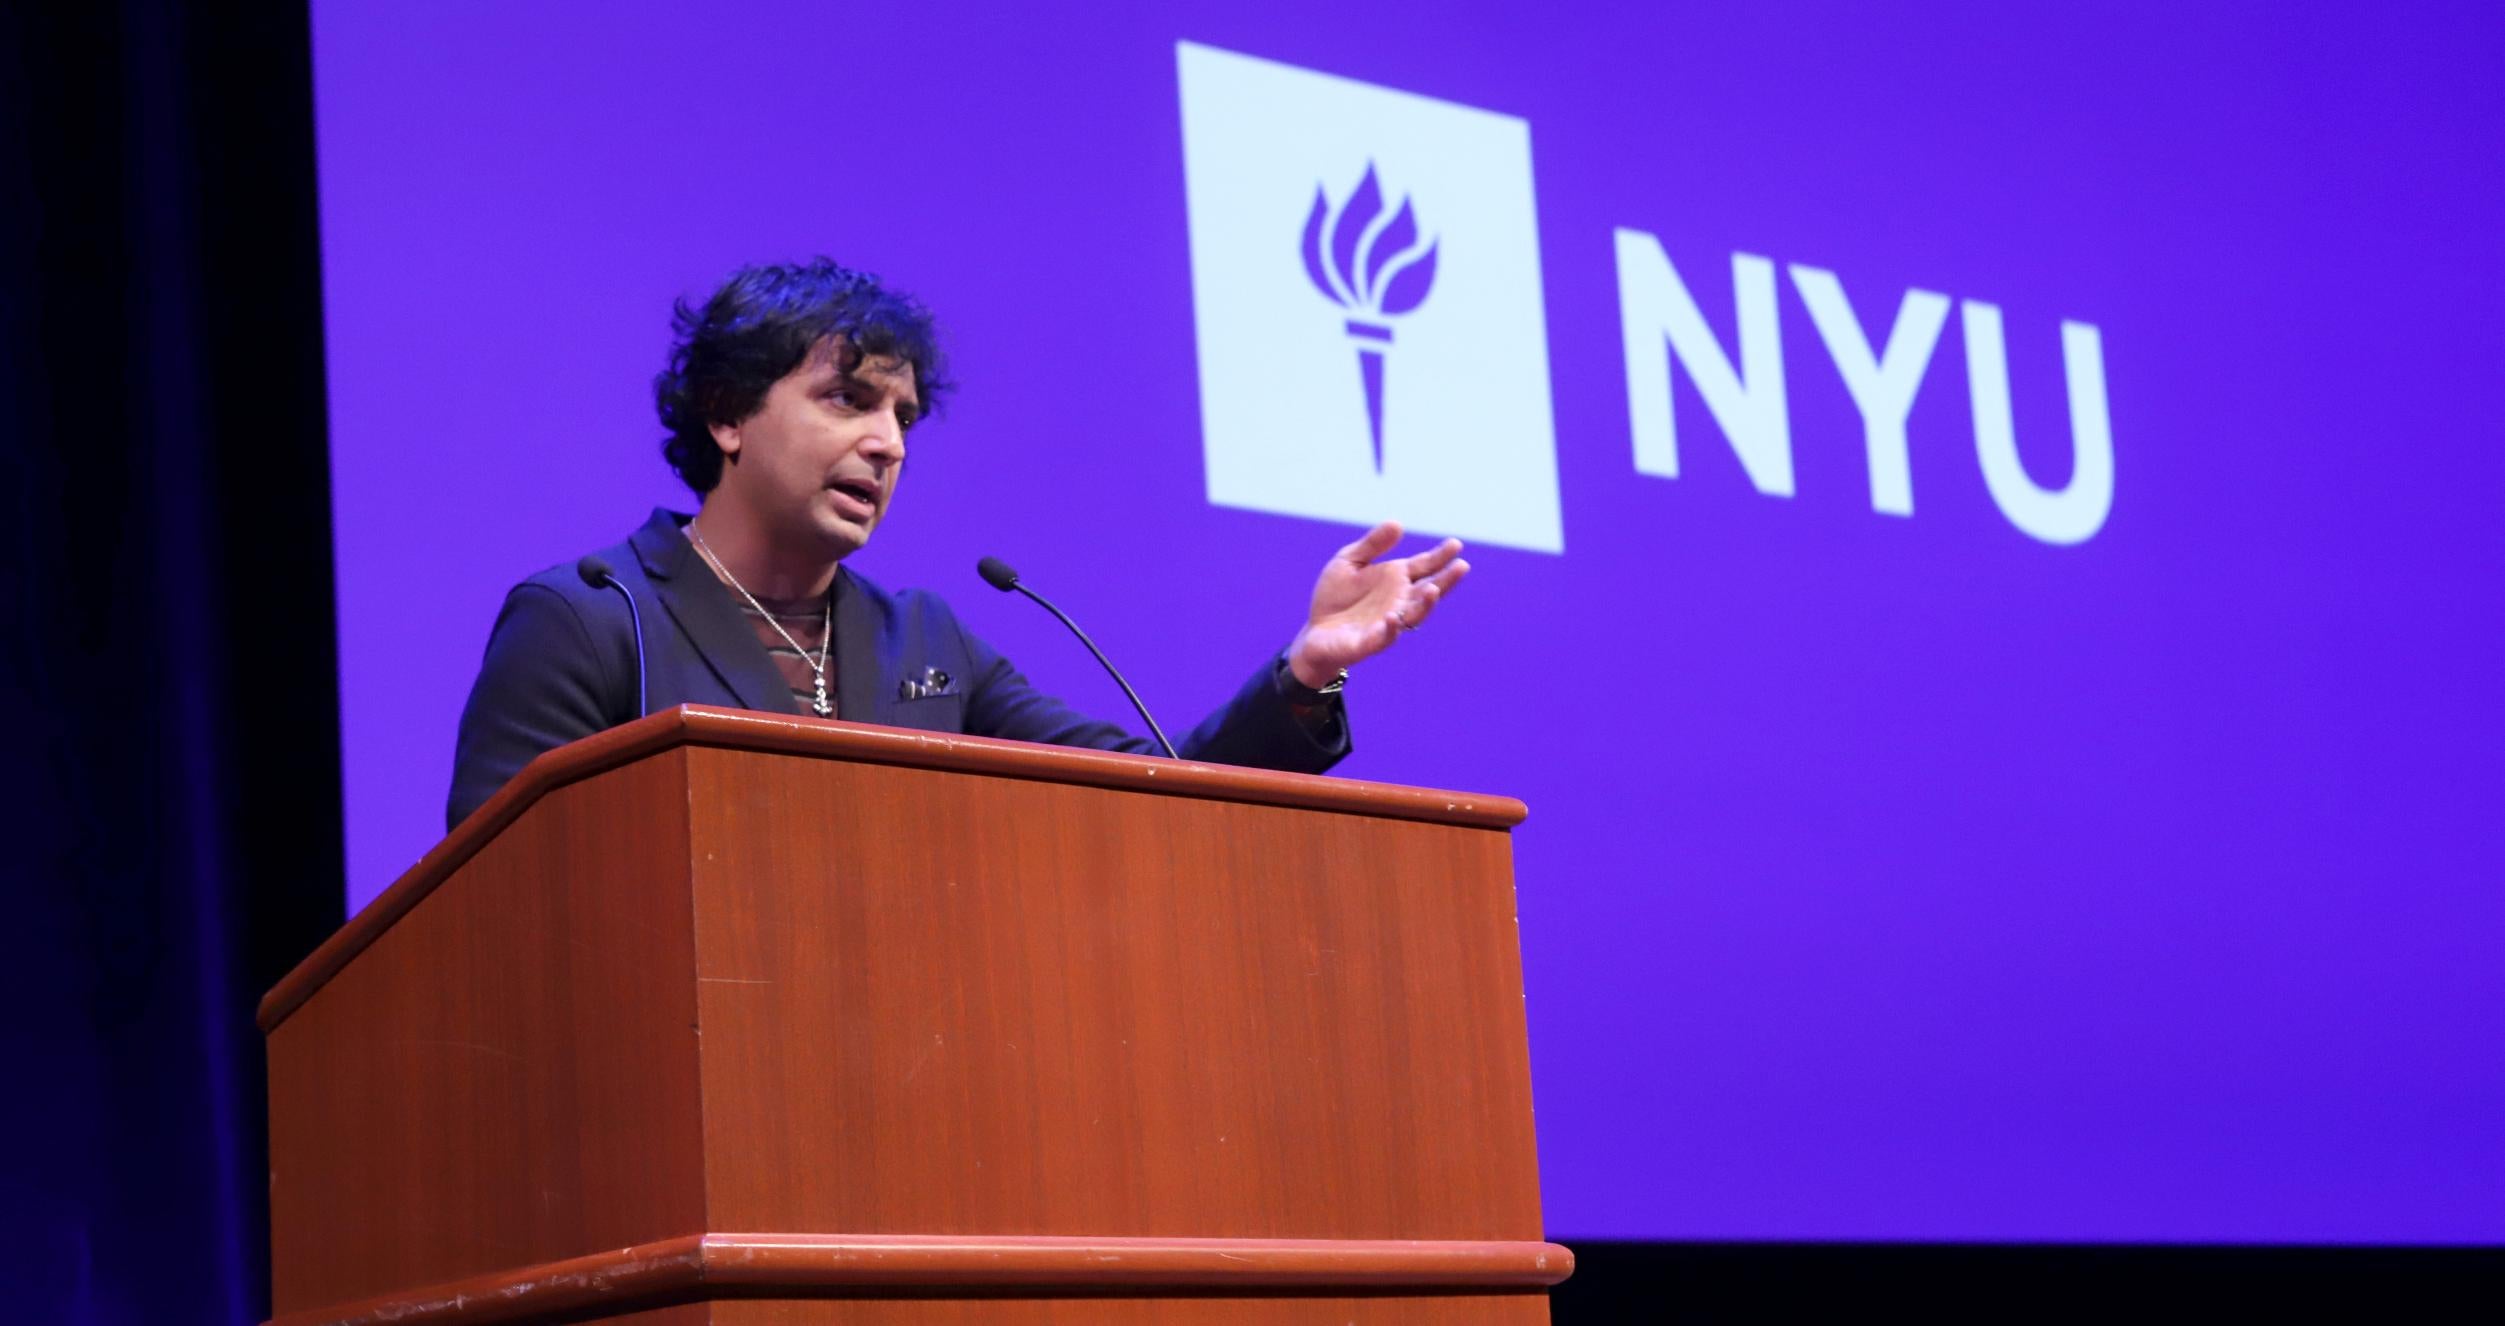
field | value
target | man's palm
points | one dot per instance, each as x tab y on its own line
1361	605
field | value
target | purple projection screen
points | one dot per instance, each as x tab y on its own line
1988	529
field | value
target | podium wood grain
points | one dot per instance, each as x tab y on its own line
1198	1043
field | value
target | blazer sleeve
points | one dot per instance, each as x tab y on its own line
1258	728
542	685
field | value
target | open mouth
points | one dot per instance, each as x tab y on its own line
857	497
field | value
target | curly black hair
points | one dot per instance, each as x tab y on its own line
757	328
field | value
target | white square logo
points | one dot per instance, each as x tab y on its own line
1366	297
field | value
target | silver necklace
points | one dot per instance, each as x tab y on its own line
822	705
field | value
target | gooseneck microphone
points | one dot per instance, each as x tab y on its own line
596	573
997	574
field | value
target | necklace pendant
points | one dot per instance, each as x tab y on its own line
824	709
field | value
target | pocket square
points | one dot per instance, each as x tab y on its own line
931	682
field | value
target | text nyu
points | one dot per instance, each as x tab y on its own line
1748	398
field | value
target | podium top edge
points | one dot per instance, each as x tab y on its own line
864	743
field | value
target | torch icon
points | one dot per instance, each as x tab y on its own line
1373	268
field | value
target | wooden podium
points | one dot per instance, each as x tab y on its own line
729	1017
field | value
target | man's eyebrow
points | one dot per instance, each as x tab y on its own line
896	383
896	375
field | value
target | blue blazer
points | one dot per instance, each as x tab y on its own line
561	666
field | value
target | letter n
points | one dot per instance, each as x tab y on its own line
1748	402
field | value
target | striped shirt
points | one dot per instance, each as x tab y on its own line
808	622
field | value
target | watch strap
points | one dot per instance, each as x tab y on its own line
1298	693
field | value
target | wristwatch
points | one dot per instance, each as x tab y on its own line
1300	694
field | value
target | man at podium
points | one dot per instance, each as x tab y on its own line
788	399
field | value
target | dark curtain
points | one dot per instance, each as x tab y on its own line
172	839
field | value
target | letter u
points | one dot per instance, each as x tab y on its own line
2071	514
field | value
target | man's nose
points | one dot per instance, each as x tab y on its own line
886	437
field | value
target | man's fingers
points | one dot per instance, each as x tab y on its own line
1419	601
1372	544
1433	559
1423	596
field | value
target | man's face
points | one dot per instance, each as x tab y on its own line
820	459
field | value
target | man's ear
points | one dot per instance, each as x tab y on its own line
726	436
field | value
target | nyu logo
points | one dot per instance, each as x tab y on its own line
1389	278
1371	369
1459	441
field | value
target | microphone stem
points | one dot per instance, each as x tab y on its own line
643	680
1153	729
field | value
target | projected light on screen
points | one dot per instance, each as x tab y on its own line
2011	737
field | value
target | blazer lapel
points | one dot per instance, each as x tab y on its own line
861	686
709	617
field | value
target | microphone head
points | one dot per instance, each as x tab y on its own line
996	573
594	571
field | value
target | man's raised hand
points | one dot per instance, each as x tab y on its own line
1362	605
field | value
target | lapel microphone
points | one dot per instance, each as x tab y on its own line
596	573
996	573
